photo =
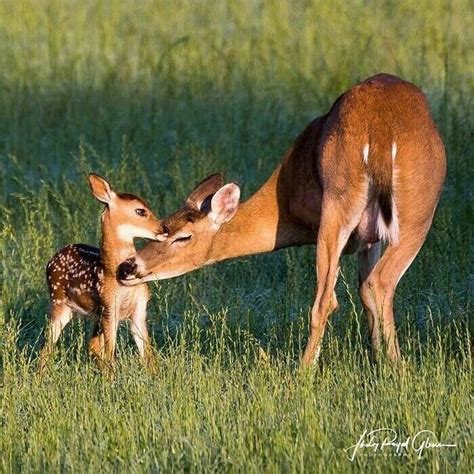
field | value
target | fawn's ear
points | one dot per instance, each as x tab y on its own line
200	198
224	204
101	189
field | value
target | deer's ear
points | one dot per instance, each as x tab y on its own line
203	192
224	204
101	188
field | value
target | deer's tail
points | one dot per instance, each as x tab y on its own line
381	172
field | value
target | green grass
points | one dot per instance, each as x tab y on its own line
155	95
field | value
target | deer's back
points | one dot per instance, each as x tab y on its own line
381	112
74	276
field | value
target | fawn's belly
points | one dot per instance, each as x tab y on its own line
84	302
124	301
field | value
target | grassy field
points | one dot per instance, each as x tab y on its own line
155	95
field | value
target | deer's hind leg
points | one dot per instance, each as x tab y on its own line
368	258
59	317
415	202
337	223
97	342
378	290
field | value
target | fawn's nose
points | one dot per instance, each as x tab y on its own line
127	269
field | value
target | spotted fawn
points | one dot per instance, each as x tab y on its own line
82	279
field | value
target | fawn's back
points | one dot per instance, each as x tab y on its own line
74	276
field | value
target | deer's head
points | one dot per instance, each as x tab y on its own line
187	234
127	215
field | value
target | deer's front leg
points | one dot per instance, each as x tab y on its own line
97	345
139	331
108	327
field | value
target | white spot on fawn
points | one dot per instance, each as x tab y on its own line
365	153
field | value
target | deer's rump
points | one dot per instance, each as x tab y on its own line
380	154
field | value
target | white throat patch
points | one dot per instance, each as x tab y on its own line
127	232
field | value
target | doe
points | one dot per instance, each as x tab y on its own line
368	172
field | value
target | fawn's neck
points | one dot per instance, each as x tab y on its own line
114	248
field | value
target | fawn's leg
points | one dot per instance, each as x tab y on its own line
108	327
97	344
59	316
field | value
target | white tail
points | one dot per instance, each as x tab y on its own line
389	233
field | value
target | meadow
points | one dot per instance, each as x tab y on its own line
155	95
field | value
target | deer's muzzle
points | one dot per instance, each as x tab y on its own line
127	269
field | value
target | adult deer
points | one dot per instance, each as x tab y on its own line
82	279
369	171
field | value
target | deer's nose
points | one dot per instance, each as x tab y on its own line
127	269
162	234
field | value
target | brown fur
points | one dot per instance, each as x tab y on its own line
371	169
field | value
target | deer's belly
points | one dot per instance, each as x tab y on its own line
366	230
83	301
86	300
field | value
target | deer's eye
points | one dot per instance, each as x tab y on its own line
184	238
140	212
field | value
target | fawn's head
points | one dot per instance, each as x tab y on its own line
127	215
187	234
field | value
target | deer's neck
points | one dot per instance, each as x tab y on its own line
114	249
261	224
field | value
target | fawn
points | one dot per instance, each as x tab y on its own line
82	279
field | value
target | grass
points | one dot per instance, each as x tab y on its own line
155	95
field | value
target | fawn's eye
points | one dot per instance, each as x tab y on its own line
140	212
